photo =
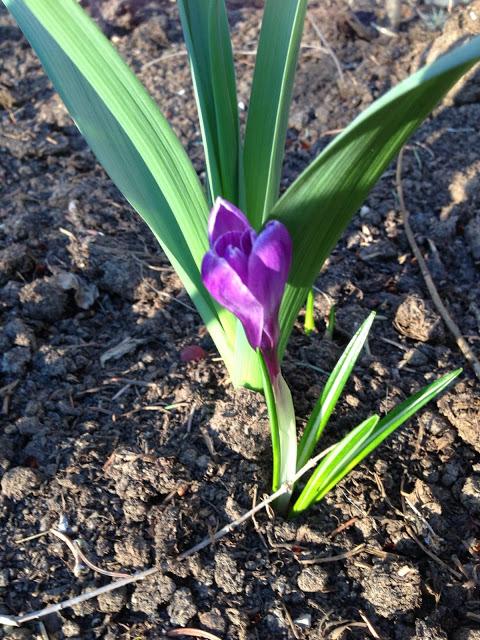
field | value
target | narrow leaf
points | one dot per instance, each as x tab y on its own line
205	27
328	468
363	440
267	122
320	203
130	137
333	388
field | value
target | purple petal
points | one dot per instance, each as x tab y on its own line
228	239
247	240
225	285
225	217
268	268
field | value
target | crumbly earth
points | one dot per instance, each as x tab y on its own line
106	430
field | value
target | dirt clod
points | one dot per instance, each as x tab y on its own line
43	300
182	607
416	319
390	593
313	579
152	592
19	482
227	575
112	601
470	495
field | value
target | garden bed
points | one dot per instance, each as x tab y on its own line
118	419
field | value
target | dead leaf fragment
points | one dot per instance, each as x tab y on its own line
127	345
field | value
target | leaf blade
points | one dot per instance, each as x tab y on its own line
206	32
319	204
129	135
361	441
333	388
267	120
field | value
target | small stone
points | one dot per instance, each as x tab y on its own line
4	578
227	575
149	594
43	300
313	579
182	608
19	482
304	620
112	601
470	496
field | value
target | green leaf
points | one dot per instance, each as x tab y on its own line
267	122
320	203
205	27
130	137
309	324
363	440
333	388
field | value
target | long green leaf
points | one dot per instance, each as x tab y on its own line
267	122
363	440
130	137
205	27
333	388
320	203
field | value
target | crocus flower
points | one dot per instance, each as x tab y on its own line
246	273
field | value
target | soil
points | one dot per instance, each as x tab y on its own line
119	424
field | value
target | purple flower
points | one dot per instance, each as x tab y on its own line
246	272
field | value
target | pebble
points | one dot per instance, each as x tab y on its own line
182	608
19	482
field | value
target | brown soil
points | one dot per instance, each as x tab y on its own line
142	454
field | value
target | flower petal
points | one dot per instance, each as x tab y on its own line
269	265
225	217
225	285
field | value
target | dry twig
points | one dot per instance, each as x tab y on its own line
327	47
195	633
432	289
16	621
